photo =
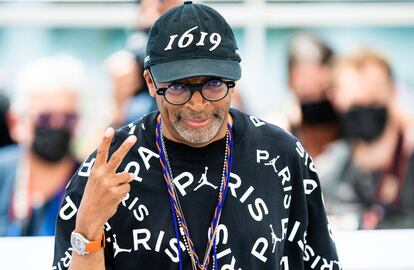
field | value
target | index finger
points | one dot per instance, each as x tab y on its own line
121	152
102	152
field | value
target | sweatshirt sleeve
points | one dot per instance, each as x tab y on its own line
318	246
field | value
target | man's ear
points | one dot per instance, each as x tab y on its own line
150	83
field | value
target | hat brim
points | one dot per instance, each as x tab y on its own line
187	68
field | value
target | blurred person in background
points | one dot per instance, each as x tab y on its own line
150	10
309	71
131	97
35	172
314	120
5	138
381	165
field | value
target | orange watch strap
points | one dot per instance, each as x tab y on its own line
96	245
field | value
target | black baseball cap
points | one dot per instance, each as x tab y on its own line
192	40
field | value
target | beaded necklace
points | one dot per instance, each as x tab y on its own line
180	225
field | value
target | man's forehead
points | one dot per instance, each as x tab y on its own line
59	100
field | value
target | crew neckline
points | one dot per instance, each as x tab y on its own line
176	150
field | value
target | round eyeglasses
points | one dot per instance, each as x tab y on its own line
211	90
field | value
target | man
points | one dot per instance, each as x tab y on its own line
140	195
34	173
380	172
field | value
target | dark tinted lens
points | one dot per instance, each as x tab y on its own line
61	119
214	89
177	93
44	119
71	119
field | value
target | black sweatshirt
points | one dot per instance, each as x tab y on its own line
273	216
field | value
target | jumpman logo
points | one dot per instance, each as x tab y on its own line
118	249
203	181
275	239
272	162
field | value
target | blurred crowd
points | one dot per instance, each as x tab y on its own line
346	114
352	124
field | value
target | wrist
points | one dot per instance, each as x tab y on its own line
84	246
90	232
88	225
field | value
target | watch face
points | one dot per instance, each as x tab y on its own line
78	243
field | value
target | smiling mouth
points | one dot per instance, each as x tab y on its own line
197	123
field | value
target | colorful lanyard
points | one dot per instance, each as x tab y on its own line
176	211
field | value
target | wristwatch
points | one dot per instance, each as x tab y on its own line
83	246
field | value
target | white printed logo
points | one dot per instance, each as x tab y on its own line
204	181
275	239
272	163
118	249
187	38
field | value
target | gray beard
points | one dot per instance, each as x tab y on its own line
198	135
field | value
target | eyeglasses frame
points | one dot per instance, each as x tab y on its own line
194	88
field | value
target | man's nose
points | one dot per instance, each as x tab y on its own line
57	121
197	102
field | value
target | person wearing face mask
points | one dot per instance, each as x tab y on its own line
35	171
318	124
380	168
309	79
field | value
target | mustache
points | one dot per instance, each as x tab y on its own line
180	115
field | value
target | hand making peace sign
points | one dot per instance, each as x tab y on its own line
105	188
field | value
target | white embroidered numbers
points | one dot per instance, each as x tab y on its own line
187	38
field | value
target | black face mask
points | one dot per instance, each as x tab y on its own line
51	144
320	112
366	123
